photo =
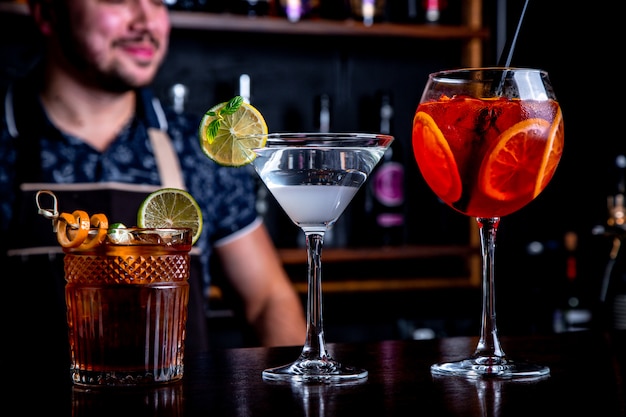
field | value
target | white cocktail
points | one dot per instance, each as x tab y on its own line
314	176
311	205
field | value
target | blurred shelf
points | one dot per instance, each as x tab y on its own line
291	256
225	22
318	27
13	7
389	285
388	269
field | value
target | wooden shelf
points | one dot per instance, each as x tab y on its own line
291	256
225	22
12	7
318	27
389	285
472	33
348	263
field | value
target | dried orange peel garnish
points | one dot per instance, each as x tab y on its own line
76	230
100	222
73	230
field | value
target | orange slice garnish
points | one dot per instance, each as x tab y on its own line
101	223
435	159
510	168
552	154
74	228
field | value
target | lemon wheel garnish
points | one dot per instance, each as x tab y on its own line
171	208
227	132
73	228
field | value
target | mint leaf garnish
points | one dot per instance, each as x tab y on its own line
231	107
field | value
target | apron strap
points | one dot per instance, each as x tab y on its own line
166	159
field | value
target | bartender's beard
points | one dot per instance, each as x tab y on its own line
79	60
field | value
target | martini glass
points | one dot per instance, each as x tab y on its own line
487	141
314	176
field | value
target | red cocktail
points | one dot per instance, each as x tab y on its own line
487	142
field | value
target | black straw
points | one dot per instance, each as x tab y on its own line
514	40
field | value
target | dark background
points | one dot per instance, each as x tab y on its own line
290	72
571	43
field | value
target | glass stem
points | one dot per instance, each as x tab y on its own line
488	344
314	346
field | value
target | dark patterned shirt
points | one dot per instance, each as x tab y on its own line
226	195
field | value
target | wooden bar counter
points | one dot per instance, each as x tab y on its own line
587	379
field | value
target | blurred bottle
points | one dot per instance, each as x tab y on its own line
262	193
575	306
445	12
262	201
213	6
433	10
613	292
322	112
296	10
615	201
179	94
613	289
251	8
386	201
179	4
337	235
334	9
244	87
368	11
404	11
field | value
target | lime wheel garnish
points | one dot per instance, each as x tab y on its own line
171	208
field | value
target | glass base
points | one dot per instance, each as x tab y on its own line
126	378
490	367
315	370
